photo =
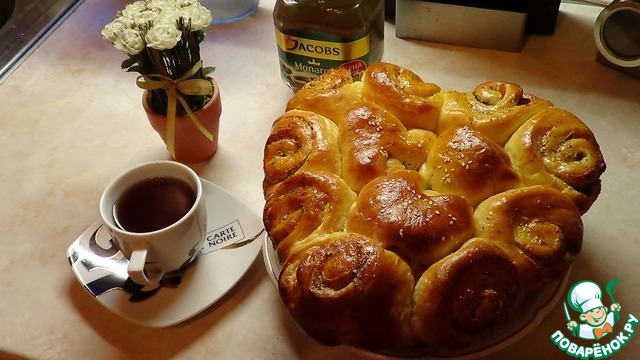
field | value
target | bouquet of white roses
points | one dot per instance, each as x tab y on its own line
162	40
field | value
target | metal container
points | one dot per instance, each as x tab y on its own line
617	36
498	25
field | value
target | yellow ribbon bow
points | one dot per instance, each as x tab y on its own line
176	88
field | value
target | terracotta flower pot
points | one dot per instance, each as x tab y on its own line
190	144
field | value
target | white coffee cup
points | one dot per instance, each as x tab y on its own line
156	251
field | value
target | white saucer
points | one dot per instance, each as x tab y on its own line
102	269
540	307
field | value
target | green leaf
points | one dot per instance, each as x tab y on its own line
129	62
208	69
198	36
135	68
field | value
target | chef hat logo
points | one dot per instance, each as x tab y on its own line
585	296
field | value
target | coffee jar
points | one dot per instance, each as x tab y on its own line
316	35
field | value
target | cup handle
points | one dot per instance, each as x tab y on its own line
136	269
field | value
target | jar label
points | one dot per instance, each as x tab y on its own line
303	57
327	50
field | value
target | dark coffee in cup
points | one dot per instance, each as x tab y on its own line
153	204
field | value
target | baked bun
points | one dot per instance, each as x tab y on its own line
402	93
470	294
495	108
537	226
415	221
300	140
466	162
374	143
328	95
306	203
556	149
397	213
342	288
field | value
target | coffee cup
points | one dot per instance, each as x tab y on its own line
156	214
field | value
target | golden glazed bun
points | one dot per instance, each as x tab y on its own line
537	226
404	94
373	142
554	148
300	140
495	108
471	294
418	221
342	288
328	95
464	161
396	212
306	203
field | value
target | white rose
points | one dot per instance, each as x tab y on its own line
144	18
161	5
185	3
169	15
200	16
134	8
129	41
163	36
112	30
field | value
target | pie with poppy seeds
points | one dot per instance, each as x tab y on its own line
410	220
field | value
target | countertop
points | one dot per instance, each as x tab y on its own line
71	120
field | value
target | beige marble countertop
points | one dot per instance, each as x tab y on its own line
71	120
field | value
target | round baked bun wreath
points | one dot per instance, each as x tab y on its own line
411	220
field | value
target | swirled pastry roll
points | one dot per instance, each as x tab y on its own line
494	108
402	93
374	143
304	204
396	212
345	290
328	95
414	221
300	140
556	149
465	162
467	297
537	226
